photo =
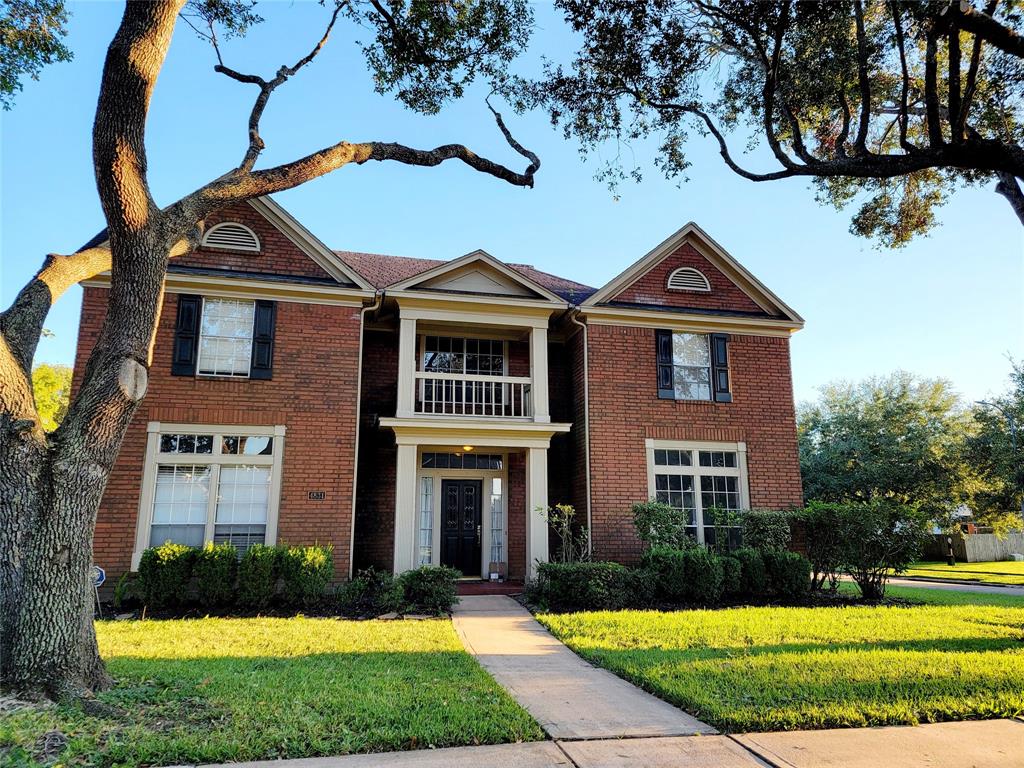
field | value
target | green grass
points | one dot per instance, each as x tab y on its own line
1001	572
773	668
933	596
215	690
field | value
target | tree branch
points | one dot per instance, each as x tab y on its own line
983	25
954	97
860	142
904	118
931	95
972	76
1009	187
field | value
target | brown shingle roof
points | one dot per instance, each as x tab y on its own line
381	271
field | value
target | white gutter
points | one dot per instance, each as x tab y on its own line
378	299
586	419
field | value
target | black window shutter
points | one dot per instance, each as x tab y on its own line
720	368
666	387
186	335
263	340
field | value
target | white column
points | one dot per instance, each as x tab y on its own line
406	367
539	374
405	508
536	503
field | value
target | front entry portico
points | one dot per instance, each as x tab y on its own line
453	500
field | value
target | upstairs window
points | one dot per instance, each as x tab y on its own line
224	337
474	357
693	366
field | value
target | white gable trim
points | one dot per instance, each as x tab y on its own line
307	242
758	292
483	257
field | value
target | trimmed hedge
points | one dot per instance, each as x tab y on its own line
586	587
257	576
215	569
306	572
789	573
753	579
430	589
685	575
370	593
164	574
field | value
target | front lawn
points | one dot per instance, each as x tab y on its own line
215	690
1001	572
774	668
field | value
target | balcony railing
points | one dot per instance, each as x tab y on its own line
459	394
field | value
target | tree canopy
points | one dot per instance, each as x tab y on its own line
886	104
52	387
911	441
31	36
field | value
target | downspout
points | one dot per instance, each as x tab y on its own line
586	420
378	298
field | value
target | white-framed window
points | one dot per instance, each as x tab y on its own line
691	366
471	356
210	483
697	477
426	537
225	337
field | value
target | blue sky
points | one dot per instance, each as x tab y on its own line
950	305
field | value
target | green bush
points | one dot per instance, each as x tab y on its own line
306	572
661	525
685	575
257	576
215	569
585	587
823	533
430	589
789	573
766	529
732	575
371	593
128	591
753	580
164	574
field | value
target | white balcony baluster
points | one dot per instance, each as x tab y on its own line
459	394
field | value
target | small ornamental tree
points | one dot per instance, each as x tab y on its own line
661	525
879	538
426	53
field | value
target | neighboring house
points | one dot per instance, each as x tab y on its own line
410	411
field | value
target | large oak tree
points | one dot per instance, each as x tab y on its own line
424	52
892	103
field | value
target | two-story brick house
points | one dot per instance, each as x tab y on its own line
410	411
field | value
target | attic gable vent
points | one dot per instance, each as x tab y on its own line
688	279
232	236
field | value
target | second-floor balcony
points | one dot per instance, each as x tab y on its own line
459	394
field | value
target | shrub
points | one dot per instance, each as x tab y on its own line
573	539
685	575
823	533
164	574
584	587
766	529
306	573
732	575
370	593
789	573
128	591
430	589
660	525
215	569
879	537
753	580
257	576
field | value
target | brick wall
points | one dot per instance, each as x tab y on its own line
278	255
650	287
313	393
625	410
516	544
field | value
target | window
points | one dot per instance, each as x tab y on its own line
489	461
474	357
693	366
218	484
426	520
225	337
497	522
688	279
698	478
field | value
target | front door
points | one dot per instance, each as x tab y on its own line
461	520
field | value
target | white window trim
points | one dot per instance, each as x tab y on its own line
153	458
199	346
485	476
740	470
422	347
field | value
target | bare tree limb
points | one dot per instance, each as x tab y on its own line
983	25
905	84
1009	187
954	96
931	96
972	75
864	81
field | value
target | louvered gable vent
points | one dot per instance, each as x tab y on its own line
232	236
688	279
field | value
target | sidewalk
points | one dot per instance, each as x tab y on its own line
958	586
568	697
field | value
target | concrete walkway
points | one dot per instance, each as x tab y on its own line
959	586
568	697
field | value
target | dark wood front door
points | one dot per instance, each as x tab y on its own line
461	520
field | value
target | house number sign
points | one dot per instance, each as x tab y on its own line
317	495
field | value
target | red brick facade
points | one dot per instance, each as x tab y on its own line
650	288
313	392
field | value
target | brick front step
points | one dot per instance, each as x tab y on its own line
490	587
